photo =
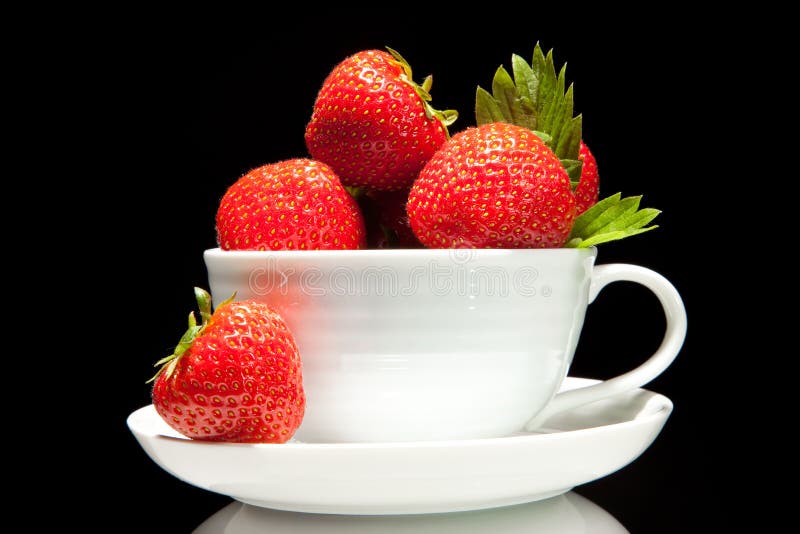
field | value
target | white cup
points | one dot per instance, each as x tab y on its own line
437	344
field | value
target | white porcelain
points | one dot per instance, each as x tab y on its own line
411	345
565	514
577	446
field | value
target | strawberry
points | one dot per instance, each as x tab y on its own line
373	125
298	204
494	186
587	193
536	99
236	377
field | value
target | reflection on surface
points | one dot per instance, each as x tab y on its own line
568	513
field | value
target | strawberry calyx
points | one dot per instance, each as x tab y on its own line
446	117
168	363
536	99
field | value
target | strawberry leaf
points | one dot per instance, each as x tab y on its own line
447	117
527	85
569	137
611	219
504	92
573	168
546	137
609	236
427	83
487	110
592	213
535	99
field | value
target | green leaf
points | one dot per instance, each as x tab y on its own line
610	236
569	142
546	137
611	219
573	168
547	84
486	108
505	93
164	360
641	217
525	80
427	83
551	98
538	65
187	339
562	125
423	94
608	217
447	116
589	215
568	104
555	117
527	86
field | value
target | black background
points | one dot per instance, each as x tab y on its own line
182	109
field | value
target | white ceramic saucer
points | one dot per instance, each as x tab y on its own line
575	447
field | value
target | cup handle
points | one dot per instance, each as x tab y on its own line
675	314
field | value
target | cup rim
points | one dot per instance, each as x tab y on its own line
218	252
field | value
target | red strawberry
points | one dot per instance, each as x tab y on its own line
494	186
588	191
535	98
237	377
387	221
298	204
373	125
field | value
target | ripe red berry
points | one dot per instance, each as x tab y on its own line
494	186
237	377
298	204
373	125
